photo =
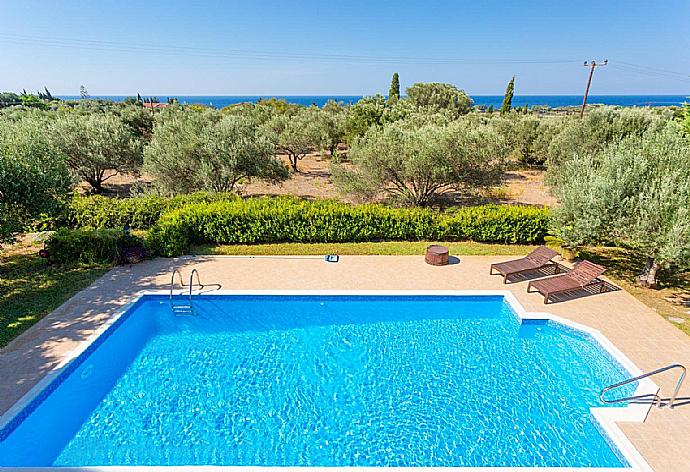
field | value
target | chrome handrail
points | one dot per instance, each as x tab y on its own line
657	398
172	282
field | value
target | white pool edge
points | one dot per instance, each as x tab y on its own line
606	417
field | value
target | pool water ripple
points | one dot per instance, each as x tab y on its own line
328	381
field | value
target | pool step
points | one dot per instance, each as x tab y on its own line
183	310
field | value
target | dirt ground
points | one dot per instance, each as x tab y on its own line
313	181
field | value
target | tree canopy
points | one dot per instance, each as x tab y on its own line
413	164
439	96
34	178
97	146
635	191
206	150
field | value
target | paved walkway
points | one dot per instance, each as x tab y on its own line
646	338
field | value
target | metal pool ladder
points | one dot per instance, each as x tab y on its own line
657	398
188	308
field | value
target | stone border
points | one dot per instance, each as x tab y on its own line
605	417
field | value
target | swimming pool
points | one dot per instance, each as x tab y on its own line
327	380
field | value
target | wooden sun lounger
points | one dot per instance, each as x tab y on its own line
584	275
537	259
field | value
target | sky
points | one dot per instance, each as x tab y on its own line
351	47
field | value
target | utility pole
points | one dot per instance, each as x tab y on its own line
592	65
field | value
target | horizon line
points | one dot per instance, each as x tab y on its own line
370	95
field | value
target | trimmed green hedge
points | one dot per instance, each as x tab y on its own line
95	212
285	219
67	246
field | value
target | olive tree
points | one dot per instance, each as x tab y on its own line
34	178
206	150
439	97
602	126
529	136
299	134
637	192
364	114
413	164
96	144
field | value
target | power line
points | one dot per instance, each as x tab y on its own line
654	69
98	45
649	73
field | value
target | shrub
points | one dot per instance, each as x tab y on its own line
498	223
138	213
271	220
102	246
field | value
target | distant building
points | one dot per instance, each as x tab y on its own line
155	105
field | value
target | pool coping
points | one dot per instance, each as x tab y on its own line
605	417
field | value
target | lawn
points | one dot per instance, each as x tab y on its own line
387	248
29	289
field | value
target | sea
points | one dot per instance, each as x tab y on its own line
553	101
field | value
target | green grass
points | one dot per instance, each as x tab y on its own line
388	248
29	289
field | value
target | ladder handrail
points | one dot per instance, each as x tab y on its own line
191	283
645	375
181	309
172	282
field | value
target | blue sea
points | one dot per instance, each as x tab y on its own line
553	101
377	381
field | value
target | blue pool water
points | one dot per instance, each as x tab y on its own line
325	381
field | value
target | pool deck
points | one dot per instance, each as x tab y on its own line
645	337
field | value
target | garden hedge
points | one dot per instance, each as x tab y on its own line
89	246
285	219
96	211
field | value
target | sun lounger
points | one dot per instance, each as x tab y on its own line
537	259
584	275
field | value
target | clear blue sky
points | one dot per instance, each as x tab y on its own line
309	47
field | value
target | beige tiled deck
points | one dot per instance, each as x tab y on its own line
649	340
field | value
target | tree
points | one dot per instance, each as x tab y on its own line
206	150
364	114
436	96
413	164
95	144
600	127
333	118
8	99
394	91
299	134
34	178
508	97
83	93
636	192
529	136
